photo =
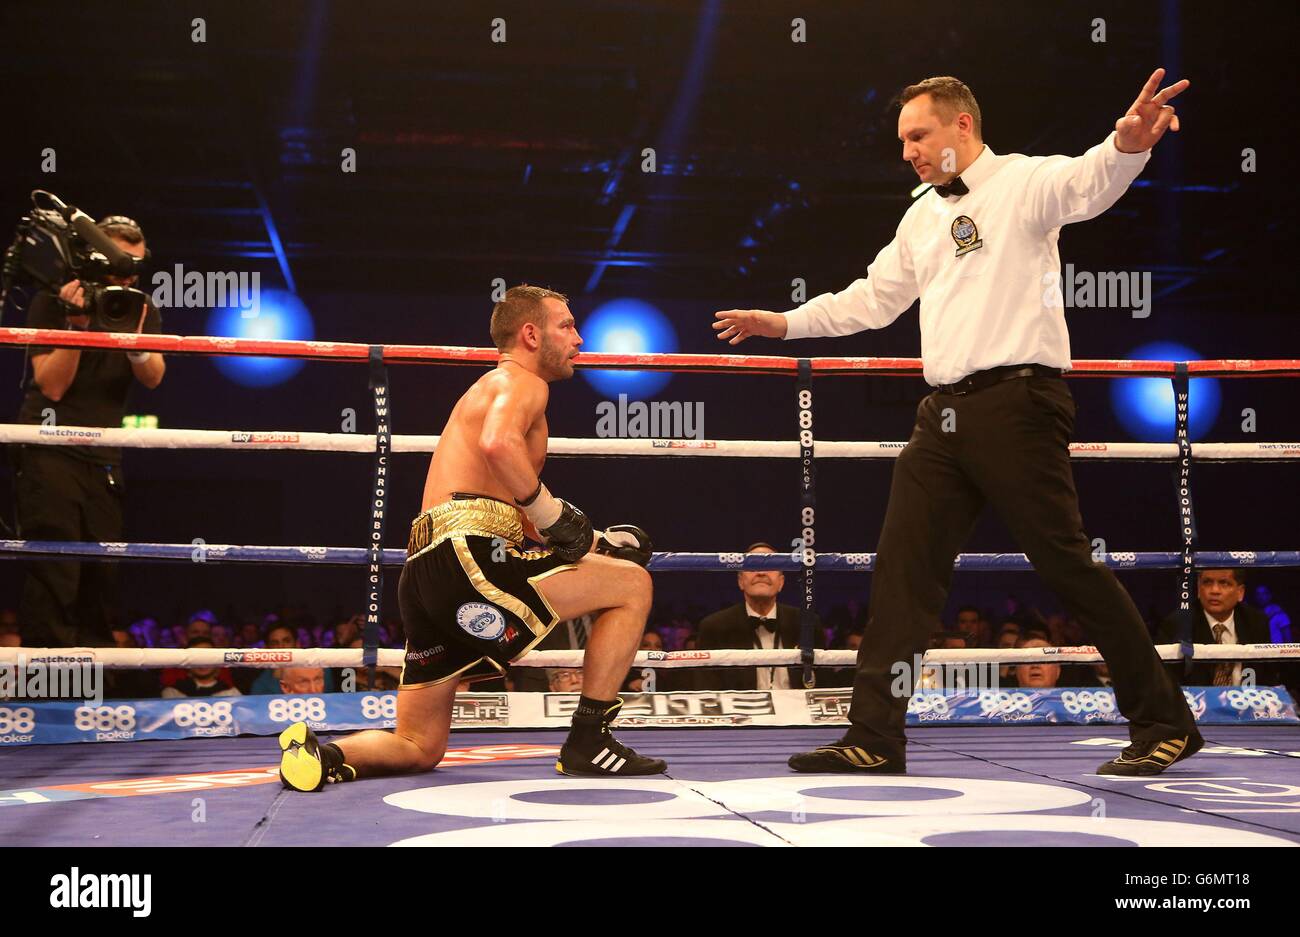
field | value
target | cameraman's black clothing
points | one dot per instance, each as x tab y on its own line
66	603
98	393
72	493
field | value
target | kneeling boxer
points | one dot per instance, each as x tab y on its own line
473	599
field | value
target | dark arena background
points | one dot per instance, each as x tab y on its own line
386	169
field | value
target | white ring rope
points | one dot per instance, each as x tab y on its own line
249	440
135	658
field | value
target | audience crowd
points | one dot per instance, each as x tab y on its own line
1225	611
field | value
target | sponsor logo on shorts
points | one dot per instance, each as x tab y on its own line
429	653
248	657
481	620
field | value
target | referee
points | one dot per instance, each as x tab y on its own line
979	250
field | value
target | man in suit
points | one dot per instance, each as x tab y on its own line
758	621
1219	615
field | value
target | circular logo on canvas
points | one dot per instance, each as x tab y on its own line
481	620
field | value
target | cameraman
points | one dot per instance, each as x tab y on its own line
75	492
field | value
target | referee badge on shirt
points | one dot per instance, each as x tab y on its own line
966	235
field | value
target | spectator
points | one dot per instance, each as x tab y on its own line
570	635
348	630
971	623
220	635
1037	675
301	680
758	621
635	682
268	682
1218	616
199	625
10	637
145	632
200	681
564	681
1096	675
1279	622
1008	636
132	683
843	676
250	635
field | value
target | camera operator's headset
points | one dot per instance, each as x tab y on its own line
122	221
116	221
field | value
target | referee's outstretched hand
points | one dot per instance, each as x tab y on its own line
1146	121
736	325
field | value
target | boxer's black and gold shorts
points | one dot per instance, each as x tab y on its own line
468	592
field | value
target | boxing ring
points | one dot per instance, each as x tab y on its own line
1011	769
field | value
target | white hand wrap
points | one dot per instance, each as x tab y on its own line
544	510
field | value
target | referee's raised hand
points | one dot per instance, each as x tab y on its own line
735	325
1146	121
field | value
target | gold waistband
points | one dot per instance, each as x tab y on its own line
471	517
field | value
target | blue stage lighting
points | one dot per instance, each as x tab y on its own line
1145	405
279	314
628	327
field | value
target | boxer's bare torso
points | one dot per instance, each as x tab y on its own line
507	398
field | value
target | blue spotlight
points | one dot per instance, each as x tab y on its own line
628	327
1145	405
280	314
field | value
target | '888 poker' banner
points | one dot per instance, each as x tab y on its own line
43	723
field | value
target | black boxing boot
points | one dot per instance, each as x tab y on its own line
592	751
306	765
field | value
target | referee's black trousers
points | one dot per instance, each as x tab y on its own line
1006	445
61	497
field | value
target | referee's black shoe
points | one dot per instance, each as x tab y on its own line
843	758
1142	759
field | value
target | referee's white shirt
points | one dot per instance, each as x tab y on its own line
1000	303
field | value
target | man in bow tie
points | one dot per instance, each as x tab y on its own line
758	621
980	252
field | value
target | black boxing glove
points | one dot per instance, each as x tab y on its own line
567	530
626	542
570	537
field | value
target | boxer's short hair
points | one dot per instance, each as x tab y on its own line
951	97
521	304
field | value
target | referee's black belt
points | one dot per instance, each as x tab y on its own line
1007	372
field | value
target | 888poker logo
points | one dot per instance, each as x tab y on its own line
106	723
17	725
1259	702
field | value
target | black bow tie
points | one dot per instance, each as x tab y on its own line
956	187
768	623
